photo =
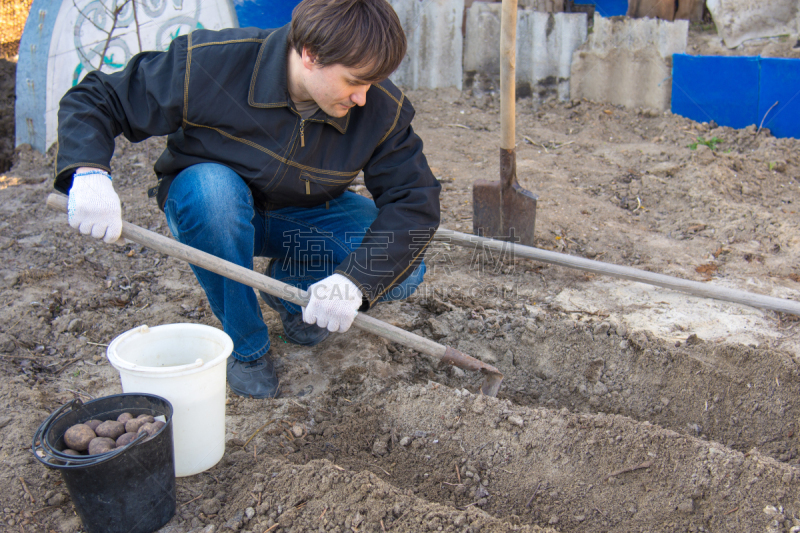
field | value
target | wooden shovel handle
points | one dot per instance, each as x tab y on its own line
508	72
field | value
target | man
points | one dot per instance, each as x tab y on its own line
267	128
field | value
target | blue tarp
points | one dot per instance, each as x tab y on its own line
738	91
780	82
609	8
723	89
264	13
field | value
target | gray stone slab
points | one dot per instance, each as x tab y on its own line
741	20
482	47
628	62
631	78
545	44
639	34
435	43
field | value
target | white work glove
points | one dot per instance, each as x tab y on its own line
333	303
93	206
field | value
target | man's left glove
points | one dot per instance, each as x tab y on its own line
333	303
93	206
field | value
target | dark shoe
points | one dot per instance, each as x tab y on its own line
295	330
254	379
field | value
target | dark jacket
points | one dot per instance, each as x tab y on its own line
222	97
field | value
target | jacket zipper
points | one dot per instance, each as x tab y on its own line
303	138
302	145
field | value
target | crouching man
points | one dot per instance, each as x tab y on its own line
266	130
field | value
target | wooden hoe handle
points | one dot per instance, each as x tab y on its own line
175	249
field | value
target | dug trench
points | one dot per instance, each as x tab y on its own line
596	429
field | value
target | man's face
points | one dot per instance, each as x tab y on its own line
335	88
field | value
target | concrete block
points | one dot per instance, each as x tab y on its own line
629	62
639	34
740	20
632	78
545	44
435	43
482	47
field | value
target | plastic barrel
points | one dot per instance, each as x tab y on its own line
127	490
186	364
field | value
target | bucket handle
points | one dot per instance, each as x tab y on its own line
121	363
76	405
39	444
37	437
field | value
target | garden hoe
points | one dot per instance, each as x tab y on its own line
175	249
502	209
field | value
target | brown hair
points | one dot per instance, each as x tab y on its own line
352	33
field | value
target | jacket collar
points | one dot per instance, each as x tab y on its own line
269	85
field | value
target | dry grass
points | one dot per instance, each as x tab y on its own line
13	14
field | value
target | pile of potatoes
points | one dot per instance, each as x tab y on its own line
97	436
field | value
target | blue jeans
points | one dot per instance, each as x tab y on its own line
209	207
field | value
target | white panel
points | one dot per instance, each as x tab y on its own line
545	44
554	38
435	43
482	45
85	30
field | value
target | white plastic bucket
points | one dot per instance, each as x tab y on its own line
184	363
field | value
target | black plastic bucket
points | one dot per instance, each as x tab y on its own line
127	490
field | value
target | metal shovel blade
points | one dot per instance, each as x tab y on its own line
503	209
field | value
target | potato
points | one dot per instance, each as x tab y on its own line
78	437
146	418
93	424
70	451
124	417
111	429
150	428
159	424
132	426
101	445
125	439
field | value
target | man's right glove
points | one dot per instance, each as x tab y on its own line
93	206
333	303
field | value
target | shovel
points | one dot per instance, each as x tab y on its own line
175	249
502	209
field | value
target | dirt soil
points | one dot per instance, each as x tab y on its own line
625	407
